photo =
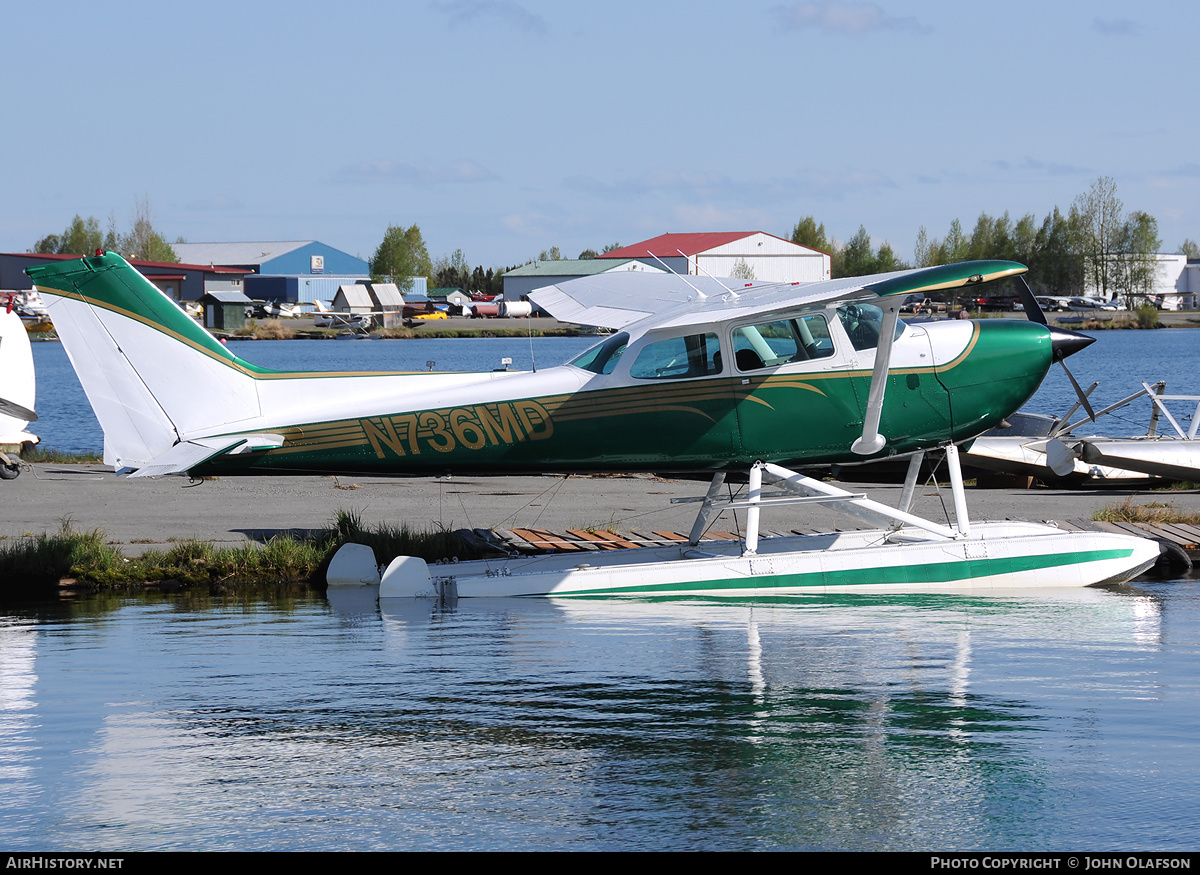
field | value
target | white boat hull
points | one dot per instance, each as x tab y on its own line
998	556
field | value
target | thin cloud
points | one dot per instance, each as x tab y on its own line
216	202
1114	26
712	216
1053	168
698	184
843	18
846	181
705	188
411	173
507	12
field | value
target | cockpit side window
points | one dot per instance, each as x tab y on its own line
771	344
603	357
696	355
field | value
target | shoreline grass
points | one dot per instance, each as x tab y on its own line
75	560
35	454
1152	513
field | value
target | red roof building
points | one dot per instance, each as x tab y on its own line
744	254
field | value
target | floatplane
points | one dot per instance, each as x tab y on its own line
17	391
1047	447
700	375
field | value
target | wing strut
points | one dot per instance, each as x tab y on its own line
872	441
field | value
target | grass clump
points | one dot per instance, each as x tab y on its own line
271	329
390	541
33	453
48	558
1147	316
85	559
1152	513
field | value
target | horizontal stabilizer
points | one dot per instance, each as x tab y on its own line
186	455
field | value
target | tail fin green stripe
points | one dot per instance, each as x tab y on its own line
109	281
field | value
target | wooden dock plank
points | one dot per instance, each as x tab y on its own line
546	540
1192	539
1188	529
620	541
602	540
1164	532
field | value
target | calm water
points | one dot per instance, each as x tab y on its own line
1120	360
1058	720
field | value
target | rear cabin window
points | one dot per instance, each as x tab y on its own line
696	355
779	343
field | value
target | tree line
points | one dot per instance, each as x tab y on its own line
1095	247
84	237
403	255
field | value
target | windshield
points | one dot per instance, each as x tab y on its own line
863	322
603	357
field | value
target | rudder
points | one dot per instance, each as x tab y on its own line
151	373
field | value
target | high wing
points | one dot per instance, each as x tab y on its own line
620	300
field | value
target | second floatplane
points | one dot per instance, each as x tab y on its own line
699	375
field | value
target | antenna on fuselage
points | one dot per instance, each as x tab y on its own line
702	296
735	294
529	325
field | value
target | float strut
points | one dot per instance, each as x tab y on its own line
707	512
910	480
752	513
961	522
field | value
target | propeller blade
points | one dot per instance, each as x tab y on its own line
1083	399
1033	312
16	411
1065	419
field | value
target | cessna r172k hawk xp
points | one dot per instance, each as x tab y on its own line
700	375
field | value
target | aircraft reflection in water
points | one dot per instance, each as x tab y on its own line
702	375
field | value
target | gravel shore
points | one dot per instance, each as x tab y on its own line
146	514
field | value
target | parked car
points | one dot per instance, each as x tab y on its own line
999	302
1091	304
918	303
1052	304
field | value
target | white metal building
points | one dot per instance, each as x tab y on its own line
1177	283
749	254
520	281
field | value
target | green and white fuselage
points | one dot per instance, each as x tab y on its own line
687	390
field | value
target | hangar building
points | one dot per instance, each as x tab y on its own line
748	254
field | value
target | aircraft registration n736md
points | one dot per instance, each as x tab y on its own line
699	375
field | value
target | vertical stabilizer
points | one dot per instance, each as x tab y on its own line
152	374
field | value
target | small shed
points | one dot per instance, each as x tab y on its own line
389	304
225	311
450	295
353	298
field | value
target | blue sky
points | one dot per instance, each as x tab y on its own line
505	127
